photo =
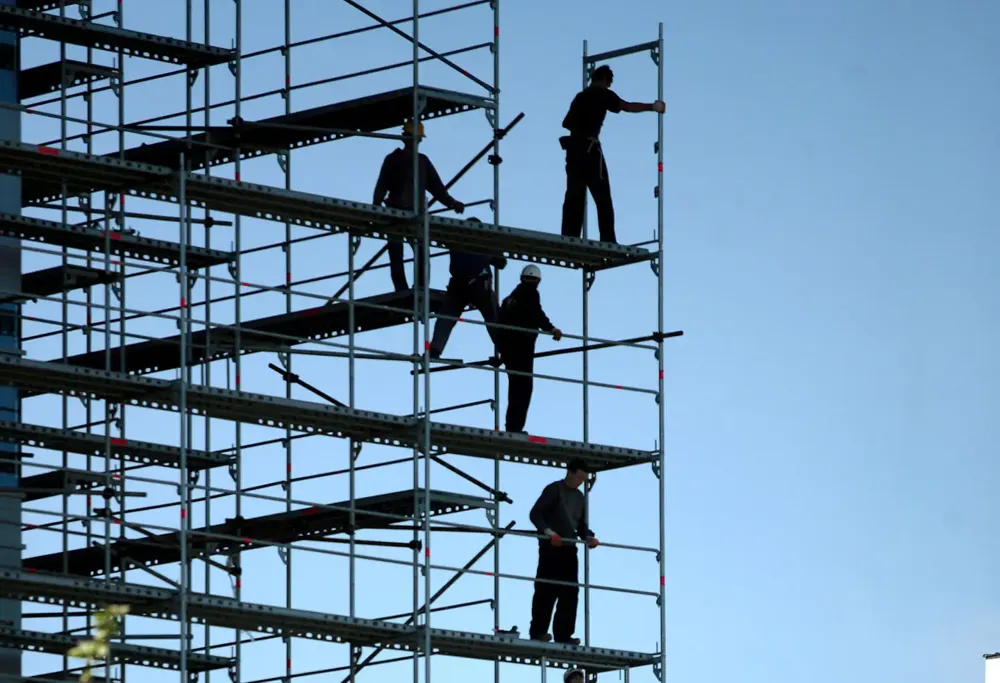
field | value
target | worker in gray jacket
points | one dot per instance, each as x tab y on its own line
560	515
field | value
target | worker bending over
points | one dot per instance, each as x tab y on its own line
471	284
585	165
522	308
396	180
560	515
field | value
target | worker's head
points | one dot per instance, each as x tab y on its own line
408	130
531	275
576	473
573	676
602	76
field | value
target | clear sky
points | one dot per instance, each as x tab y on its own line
832	204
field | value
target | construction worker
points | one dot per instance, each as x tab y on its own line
395	188
522	308
574	676
560	515
471	283
585	165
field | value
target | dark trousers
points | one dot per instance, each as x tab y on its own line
586	169
398	272
461	293
559	564
519	387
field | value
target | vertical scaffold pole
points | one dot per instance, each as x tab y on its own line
585	357
185	587
496	293
660	386
237	469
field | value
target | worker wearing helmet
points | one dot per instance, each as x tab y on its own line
471	284
522	308
560	516
395	188
585	165
574	676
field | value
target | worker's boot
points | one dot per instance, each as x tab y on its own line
569	641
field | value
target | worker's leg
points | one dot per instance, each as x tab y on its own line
396	270
418	265
544	598
600	190
575	202
565	620
484	299
452	307
519	388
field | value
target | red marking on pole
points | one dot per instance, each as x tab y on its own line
489	573
663	580
237	380
461	320
496	30
118	442
618	386
288	277
30	111
537	439
90	321
247	539
30	526
115	521
183	513
51	151
116	476
289	468
427	552
288	665
427	346
661	374
659	166
311	511
237	176
117	263
239	583
184	302
288	79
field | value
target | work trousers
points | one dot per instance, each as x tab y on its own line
586	169
396	269
477	292
559	564
519	387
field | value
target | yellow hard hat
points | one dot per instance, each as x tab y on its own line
408	128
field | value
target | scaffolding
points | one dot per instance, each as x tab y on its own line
188	353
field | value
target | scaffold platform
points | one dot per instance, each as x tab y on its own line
84	173
304	128
305	416
82	443
60	279
58	482
121	244
32	23
54	76
236	535
118	653
246	616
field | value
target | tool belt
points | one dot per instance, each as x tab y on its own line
567	141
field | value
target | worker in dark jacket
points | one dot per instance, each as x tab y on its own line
471	283
395	188
560	515
585	165
522	308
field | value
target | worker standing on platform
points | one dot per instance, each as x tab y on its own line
585	165
395	188
560	515
471	283
522	308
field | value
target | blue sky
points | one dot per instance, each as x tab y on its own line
831	207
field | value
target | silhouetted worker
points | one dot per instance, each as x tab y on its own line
559	514
585	165
396	180
574	676
471	283
522	308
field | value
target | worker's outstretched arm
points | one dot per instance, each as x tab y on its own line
382	184
639	107
439	191
543	505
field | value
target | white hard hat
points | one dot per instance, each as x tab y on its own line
531	272
573	672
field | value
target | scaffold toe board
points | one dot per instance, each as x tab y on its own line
298	327
82	443
60	279
235	535
304	128
42	5
231	613
56	482
119	653
305	416
54	76
118	243
89	34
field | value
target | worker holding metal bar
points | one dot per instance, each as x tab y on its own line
585	165
471	283
560	515
523	309
395	188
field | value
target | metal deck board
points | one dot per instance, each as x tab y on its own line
47	484
305	416
93	444
60	279
305	128
87	173
311	324
52	77
231	613
120	653
256	532
89	34
42	5
120	244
